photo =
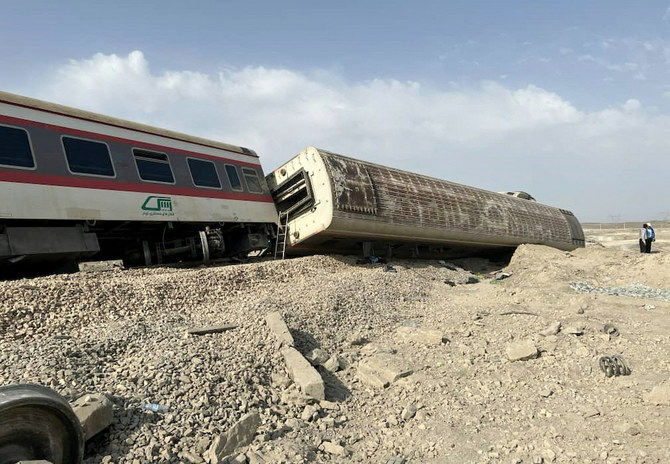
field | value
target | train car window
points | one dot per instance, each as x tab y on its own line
234	177
15	148
88	157
251	177
154	167
203	173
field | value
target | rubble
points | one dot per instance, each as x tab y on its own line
383	369
303	374
521	351
94	411
421	335
124	334
278	327
241	434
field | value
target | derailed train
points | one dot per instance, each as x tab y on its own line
75	184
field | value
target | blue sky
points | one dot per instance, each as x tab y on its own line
568	100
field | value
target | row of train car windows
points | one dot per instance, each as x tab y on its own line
88	157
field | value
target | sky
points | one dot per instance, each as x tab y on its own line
567	100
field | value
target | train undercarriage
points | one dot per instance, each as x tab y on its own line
39	247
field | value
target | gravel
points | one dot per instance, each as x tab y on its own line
635	290
125	334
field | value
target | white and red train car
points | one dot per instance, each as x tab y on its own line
75	183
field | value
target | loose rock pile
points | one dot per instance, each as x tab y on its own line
412	369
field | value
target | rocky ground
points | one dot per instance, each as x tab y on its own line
513	375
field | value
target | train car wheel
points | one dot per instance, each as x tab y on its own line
205	247
36	423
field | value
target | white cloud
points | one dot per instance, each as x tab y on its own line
487	135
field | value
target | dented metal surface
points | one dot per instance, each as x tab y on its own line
352	186
357	201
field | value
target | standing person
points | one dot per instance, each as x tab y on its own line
643	238
651	236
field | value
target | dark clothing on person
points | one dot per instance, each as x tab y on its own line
647	248
643	246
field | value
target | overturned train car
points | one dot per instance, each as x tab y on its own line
332	203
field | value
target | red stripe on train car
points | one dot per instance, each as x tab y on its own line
59	113
134	143
23	177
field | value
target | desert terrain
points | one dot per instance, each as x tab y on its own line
466	361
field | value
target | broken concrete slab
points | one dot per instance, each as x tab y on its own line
421	335
382	369
521	351
279	328
240	434
303	374
94	411
101	266
212	329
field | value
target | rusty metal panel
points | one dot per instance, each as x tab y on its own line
352	186
391	196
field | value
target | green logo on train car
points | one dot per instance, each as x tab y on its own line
157	206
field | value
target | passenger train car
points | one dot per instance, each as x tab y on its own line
329	202
74	184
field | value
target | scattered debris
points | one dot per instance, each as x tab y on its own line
101	266
521	351
94	411
212	329
383	369
421	335
552	329
613	365
611	330
501	275
241	434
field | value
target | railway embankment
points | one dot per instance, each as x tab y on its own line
417	364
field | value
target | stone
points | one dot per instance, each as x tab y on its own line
589	411
356	339
548	455
332	364
382	369
240	434
101	266
659	395
333	448
318	356
574	327
521	351
303	374
581	350
408	412
420	335
552	329
94	411
279	328
211	329
629	429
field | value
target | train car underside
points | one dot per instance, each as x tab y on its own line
45	246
